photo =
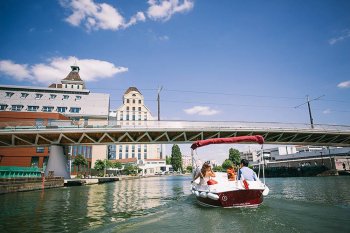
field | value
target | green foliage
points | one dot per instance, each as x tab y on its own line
227	163
117	164
99	165
234	156
131	169
108	163
176	158
189	168
167	160
79	161
217	168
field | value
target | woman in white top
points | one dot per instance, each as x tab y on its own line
205	174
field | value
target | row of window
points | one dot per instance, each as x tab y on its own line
32	108
133	117
133	108
112	152
39	96
133	101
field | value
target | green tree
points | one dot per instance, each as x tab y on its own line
234	156
176	158
117	164
226	164
130	169
167	160
79	161
108	163
189	168
99	165
217	169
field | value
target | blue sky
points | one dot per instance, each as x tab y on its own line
216	60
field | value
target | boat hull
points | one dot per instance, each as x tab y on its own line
236	198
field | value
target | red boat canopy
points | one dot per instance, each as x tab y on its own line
256	138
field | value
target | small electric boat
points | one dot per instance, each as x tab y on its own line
225	193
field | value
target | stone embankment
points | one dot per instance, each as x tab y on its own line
9	185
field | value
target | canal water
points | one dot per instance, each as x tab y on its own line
164	204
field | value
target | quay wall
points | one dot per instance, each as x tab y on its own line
9	185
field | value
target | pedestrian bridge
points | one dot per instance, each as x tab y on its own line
24	134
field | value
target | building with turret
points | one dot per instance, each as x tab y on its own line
133	111
69	98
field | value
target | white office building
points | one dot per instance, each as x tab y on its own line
70	98
133	111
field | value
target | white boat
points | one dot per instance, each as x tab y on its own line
226	193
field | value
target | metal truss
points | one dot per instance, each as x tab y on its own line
31	136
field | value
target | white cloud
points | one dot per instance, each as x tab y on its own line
163	38
165	9
326	111
201	110
345	35
345	84
95	16
58	68
17	71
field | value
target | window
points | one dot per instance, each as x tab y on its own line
145	116
33	108
61	109
53	96
16	108
78	97
127	117
145	152
133	101
120	152
133	94
127	108
111	152
74	110
126	151
40	149
133	116
9	94
127	100
38	96
72	86
24	95
35	161
133	151
139	101
121	116
3	107
133	108
139	117
65	97
139	109
139	151
39	122
47	108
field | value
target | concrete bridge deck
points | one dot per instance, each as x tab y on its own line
167	132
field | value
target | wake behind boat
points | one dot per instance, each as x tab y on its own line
226	193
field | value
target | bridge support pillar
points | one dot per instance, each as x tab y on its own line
58	162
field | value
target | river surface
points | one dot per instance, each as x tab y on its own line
165	204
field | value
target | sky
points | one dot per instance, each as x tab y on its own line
221	60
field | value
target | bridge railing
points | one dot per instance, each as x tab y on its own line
151	124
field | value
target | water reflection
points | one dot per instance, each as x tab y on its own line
107	206
329	190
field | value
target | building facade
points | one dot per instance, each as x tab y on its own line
26	156
133	112
69	98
